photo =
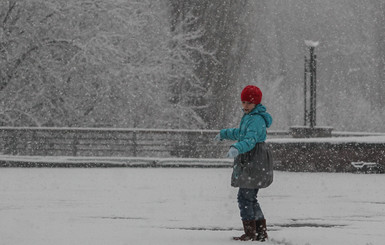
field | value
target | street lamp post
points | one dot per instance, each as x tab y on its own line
309	129
310	98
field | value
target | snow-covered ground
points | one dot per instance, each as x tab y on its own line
174	206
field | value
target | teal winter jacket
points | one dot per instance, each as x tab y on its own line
251	131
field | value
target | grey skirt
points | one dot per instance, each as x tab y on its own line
253	169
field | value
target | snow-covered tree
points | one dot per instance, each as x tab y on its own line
221	26
182	64
92	63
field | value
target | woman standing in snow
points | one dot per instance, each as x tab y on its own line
253	167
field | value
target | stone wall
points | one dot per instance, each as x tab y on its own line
326	155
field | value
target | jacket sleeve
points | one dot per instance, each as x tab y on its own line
253	132
230	133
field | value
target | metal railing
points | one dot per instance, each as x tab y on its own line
113	142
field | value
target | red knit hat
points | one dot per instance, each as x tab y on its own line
251	94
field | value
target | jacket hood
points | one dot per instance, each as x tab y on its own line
261	110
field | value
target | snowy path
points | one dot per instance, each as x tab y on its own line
166	206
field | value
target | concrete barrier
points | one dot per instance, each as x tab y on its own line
313	155
324	156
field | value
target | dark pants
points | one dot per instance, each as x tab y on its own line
248	204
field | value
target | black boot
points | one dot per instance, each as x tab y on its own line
261	230
250	231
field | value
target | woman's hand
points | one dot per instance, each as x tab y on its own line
233	152
217	138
